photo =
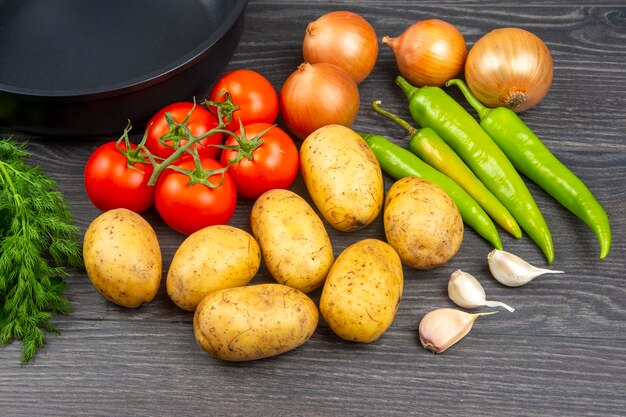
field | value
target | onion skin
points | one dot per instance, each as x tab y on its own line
429	53
509	67
316	95
345	39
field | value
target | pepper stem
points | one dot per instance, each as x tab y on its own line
471	99
406	86
406	125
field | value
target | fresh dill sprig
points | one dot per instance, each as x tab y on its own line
37	242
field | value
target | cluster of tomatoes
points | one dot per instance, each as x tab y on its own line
194	160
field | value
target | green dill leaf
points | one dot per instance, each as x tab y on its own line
37	242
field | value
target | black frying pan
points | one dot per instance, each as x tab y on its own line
85	67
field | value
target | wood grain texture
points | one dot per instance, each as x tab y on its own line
561	353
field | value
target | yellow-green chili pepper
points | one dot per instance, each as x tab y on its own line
533	159
432	107
399	163
429	146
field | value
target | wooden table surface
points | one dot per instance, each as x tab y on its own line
561	353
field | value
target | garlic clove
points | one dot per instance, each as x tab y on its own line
465	291
442	328
513	271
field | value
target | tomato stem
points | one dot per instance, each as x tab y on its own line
245	147
199	175
182	142
139	154
178	132
225	109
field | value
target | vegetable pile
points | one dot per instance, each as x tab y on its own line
455	171
195	160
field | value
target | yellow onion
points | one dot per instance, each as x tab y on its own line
342	38
429	52
509	67
316	95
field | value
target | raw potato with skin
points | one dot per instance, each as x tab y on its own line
295	245
343	177
362	291
211	259
123	258
422	223
254	322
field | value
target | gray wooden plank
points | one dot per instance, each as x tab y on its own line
156	368
560	354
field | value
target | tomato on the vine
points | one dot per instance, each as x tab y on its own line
263	157
252	93
118	178
188	204
200	121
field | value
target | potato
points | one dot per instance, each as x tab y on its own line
295	245
123	258
254	322
211	259
422	223
362	291
343	177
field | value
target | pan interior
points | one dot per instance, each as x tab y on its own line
88	46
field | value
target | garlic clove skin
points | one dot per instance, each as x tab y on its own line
442	328
499	304
513	271
465	291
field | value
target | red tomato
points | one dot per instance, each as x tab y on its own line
272	164
252	93
110	183
200	121
189	207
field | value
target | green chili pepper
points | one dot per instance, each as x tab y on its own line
432	107
429	146
533	159
399	163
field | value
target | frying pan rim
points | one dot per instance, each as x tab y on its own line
138	83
